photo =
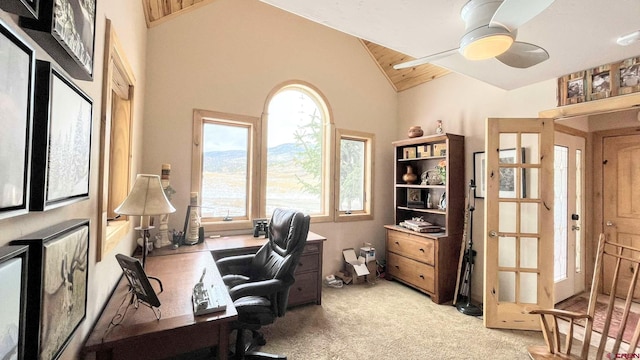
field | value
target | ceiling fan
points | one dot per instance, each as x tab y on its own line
491	27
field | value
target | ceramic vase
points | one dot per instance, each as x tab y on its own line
409	177
415	131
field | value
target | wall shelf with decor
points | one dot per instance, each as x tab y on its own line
423	244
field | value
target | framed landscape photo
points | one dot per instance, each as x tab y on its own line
599	83
62	144
16	106
66	30
509	178
25	8
56	286
13	282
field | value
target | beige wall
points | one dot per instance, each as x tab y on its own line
463	104
227	57
128	19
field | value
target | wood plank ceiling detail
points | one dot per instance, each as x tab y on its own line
405	78
158	11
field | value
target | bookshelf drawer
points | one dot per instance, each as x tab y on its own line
411	271
415	247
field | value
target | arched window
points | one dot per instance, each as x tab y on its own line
297	148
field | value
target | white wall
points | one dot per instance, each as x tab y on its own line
128	19
463	104
227	57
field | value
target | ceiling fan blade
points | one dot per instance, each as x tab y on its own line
425	60
513	13
522	55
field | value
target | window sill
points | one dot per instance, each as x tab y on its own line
116	231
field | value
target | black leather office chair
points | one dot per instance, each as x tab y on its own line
259	283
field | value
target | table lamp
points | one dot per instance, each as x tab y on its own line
146	199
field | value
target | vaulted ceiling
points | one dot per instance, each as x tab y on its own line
159	11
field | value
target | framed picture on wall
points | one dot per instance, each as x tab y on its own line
629	76
479	165
56	286
62	144
13	282
66	30
16	106
25	8
572	89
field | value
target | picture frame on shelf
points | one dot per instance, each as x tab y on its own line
410	152
66	30
479	165
13	282
572	89
440	149
61	153
629	76
24	8
58	267
423	151
600	83
16	124
415	198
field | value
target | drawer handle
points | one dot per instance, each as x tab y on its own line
397	243
300	264
397	267
299	289
421	249
422	276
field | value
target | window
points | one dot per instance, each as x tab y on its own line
354	179
297	152
223	165
244	167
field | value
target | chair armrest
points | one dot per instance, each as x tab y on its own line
238	264
256	288
560	313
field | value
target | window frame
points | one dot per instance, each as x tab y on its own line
369	165
328	146
200	118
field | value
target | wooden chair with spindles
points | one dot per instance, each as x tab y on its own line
549	318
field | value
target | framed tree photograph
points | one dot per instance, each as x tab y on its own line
57	286
62	144
66	30
13	282
138	280
17	62
599	83
509	178
25	8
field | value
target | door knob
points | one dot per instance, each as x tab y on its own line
610	223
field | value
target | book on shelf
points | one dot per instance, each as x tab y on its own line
421	229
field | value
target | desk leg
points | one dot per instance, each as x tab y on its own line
223	342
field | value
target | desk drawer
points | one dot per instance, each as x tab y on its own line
308	263
304	290
411	271
415	247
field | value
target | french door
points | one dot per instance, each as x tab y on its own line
518	240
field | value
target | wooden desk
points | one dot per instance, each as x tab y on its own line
308	286
178	330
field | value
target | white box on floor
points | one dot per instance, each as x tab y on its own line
355	266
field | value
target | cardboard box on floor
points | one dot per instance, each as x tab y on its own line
357	270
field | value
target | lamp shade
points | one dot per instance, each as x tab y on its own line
146	198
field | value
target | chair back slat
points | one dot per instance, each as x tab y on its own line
593	295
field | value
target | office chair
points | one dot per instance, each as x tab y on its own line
259	283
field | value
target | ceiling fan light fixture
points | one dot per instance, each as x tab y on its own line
485	43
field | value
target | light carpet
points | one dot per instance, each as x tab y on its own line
388	320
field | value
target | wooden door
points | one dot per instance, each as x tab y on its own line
621	199
518	241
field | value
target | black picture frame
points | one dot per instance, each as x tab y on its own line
56	286
60	164
17	66
138	280
70	43
415	198
13	282
479	164
507	190
24	8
